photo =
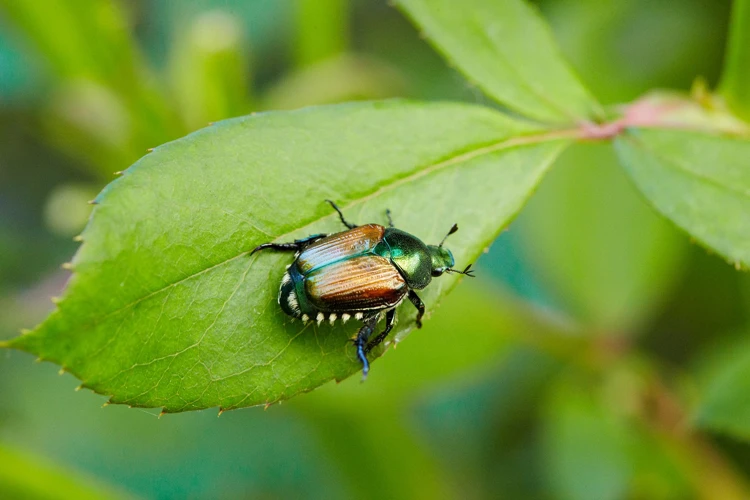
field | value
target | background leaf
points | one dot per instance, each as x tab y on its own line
508	50
586	446
167	309
606	256
699	181
25	476
735	80
724	403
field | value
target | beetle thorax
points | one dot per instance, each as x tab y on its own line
411	256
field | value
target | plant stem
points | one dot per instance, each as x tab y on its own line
735	80
322	30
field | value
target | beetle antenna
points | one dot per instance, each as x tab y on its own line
466	271
453	230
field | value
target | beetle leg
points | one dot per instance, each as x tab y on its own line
290	247
388	214
341	215
419	305
390	320
370	323
276	246
310	239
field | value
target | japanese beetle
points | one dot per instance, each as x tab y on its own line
364	273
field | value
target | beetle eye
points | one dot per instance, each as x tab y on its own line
438	271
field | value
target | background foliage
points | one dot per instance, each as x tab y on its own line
596	358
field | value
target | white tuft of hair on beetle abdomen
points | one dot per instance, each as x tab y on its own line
292	301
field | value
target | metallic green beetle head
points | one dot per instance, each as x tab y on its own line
418	262
442	259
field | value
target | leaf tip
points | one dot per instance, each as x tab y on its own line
78	238
221	411
267	406
93	202
62	371
150	150
162	413
106	403
77	389
68	266
118	173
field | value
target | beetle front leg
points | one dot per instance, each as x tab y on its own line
388	215
370	323
390	320
414	298
290	247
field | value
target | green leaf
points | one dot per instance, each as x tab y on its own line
586	446
597	245
735	80
166	308
699	181
26	476
724	403
508	50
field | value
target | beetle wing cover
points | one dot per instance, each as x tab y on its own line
357	284
340	246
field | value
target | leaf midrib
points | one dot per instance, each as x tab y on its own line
521	140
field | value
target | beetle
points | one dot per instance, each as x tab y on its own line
364	273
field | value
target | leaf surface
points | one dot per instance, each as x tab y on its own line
699	181
508	50
167	308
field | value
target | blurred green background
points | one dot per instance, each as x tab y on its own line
567	371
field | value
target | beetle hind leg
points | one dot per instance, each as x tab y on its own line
390	321
295	246
360	342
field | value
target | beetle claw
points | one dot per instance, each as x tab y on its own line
363	358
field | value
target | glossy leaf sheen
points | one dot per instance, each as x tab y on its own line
166	308
699	181
508	50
